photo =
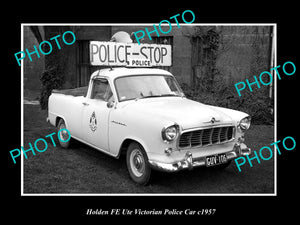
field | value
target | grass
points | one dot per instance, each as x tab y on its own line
82	169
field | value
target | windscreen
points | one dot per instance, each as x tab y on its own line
146	86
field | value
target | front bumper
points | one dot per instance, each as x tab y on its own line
189	162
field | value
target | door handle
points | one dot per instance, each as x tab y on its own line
85	104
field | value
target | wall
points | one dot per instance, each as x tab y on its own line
181	66
67	58
244	51
32	69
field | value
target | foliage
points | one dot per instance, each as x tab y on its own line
211	87
259	106
51	78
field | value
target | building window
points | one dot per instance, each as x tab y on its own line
165	40
83	63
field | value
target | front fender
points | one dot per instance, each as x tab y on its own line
140	128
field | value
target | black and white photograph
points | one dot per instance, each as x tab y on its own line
161	116
167	116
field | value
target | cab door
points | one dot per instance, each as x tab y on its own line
95	122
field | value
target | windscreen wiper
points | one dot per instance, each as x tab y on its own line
155	96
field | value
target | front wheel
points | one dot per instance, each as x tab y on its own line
137	163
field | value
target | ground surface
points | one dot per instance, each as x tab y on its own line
82	169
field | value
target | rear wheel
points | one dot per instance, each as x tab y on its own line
63	135
137	163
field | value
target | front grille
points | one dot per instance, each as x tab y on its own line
203	137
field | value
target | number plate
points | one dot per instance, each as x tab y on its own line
214	160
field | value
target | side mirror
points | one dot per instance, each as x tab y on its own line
110	104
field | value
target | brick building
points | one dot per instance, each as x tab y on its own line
200	54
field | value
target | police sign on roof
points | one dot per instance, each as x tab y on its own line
129	54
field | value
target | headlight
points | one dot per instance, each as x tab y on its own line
170	133
244	124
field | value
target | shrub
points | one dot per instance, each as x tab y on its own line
51	79
257	103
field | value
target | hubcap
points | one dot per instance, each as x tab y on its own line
137	162
63	134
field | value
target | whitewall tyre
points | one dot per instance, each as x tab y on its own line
137	164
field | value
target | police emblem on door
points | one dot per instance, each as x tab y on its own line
93	122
